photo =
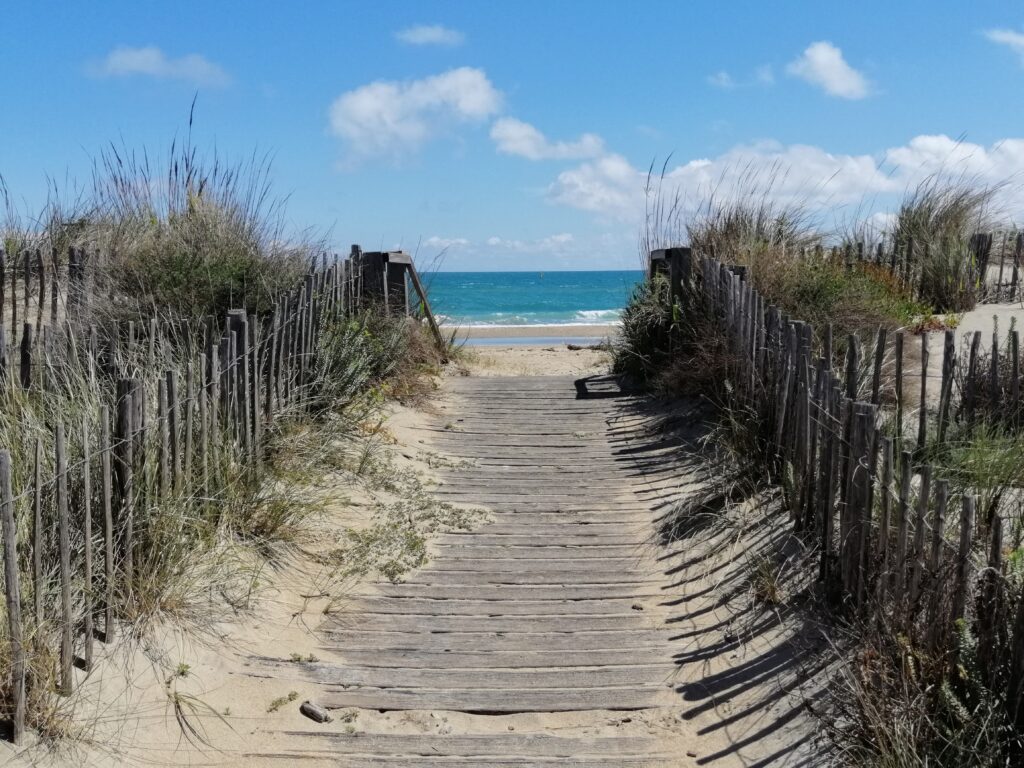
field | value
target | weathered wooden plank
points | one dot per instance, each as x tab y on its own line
575	564
412	622
443	607
540	550
547	576
419	761
609	640
387	658
503	700
481	745
583	524
569	678
511	539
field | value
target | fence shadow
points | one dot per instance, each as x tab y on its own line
752	660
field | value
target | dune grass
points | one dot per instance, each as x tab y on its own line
196	238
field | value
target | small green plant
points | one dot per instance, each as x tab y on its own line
281	701
765	580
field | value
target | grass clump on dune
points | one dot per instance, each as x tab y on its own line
937	219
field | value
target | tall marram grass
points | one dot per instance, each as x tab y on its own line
937	219
186	236
195	239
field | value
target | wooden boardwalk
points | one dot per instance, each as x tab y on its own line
552	607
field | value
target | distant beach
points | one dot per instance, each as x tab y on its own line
530	335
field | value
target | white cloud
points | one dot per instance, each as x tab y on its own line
390	117
822	64
150	61
430	34
607	185
514	137
802	174
763	76
1011	39
549	244
722	80
445	243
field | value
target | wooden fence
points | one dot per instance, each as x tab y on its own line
987	266
179	404
895	547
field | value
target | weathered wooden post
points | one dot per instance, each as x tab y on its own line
64	545
125	439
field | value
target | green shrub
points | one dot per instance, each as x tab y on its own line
644	340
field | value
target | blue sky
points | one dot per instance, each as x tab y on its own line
518	134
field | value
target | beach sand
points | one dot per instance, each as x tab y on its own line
474	333
535	350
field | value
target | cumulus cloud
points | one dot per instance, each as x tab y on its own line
822	64
606	185
1008	37
802	174
150	61
514	137
397	117
430	34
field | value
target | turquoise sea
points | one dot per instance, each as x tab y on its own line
530	298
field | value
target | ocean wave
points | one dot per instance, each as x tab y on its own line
536	323
596	315
609	317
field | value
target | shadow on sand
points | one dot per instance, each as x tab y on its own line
753	661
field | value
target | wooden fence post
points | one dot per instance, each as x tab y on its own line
26	356
946	390
87	545
107	492
125	437
19	665
163	455
922	421
899	386
64	545
876	379
37	535
990	619
171	376
906	475
917	571
963	559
